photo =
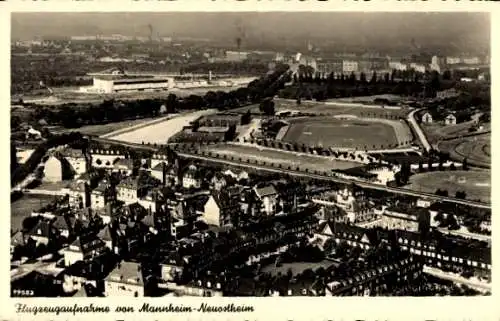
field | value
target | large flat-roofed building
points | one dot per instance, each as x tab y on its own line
114	84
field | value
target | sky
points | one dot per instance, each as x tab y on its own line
341	26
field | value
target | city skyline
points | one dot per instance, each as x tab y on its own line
338	27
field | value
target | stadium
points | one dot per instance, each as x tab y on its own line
343	132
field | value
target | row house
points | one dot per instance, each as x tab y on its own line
378	280
443	251
105	158
353	235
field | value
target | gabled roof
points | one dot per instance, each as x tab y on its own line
17	238
42	228
127	272
266	191
60	223
105	234
148	220
159	167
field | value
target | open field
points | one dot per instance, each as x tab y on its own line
436	132
268	155
348	132
476	184
477	149
23	207
160	132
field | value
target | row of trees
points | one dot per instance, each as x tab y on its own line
73	115
312	86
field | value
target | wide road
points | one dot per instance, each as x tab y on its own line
369	185
418	130
480	286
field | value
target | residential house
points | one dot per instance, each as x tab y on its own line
221	209
158	159
53	170
107	236
103	194
131	189
207	287
353	235
91	178
60	223
159	172
78	194
42	232
125	280
218	181
427	118
268	195
124	166
450	120
172	267
192	177
77	160
84	249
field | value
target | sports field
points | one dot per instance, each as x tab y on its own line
476	184
269	155
477	149
348	132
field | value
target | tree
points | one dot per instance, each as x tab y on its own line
451	222
460	194
246	118
465	165
267	107
172	103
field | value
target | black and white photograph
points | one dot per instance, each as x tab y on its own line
250	154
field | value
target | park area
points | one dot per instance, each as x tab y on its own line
159	132
348	132
476	184
244	153
476	149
